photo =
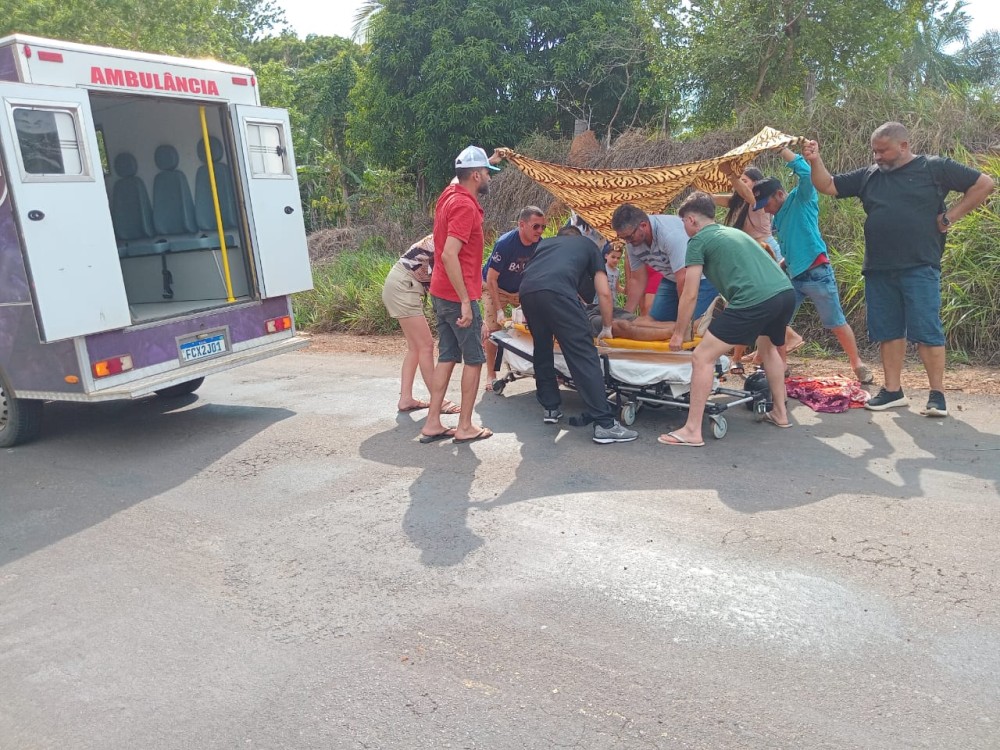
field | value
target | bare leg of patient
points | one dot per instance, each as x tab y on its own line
643	328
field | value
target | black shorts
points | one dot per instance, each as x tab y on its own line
769	318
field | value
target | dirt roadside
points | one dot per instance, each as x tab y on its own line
973	379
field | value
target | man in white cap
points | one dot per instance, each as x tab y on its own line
456	286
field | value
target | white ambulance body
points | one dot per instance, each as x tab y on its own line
151	229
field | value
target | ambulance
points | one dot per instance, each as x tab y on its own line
151	230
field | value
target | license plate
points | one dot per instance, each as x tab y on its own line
203	348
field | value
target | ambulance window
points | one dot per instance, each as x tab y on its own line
267	150
49	141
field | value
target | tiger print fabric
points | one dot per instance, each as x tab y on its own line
595	193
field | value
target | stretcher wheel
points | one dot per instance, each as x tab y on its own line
719	427
499	385
627	414
759	410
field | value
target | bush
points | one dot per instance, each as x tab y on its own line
347	294
945	123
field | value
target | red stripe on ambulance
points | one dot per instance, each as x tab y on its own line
132	79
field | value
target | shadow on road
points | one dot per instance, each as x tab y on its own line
155	444
756	468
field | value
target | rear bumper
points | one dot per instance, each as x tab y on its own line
151	384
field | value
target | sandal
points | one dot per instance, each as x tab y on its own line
450	407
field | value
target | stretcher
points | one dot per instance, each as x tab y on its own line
633	379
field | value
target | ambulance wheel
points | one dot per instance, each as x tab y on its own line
719	427
498	385
181	389
759	410
627	414
20	418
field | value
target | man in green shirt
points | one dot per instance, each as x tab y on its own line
761	303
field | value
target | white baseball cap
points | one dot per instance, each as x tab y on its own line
474	157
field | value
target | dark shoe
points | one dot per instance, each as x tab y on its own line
614	434
936	406
551	416
886	400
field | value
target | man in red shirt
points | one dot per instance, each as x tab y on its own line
456	286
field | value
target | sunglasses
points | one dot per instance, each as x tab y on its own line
628	238
536	227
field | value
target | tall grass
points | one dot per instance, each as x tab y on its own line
347	294
348	289
970	295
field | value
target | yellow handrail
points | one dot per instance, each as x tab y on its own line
215	202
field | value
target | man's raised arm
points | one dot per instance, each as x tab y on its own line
822	180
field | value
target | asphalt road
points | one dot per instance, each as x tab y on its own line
277	563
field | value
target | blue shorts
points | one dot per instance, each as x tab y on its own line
905	304
458	344
819	285
666	301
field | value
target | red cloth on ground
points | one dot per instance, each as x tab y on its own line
831	395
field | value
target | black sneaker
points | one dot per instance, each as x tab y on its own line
886	400
614	434
936	407
551	416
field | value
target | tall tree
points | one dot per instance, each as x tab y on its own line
219	28
445	73
942	53
737	52
932	58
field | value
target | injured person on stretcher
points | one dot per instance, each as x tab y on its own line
625	325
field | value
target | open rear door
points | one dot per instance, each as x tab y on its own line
271	190
55	178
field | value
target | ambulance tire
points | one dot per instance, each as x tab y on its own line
20	418
181	389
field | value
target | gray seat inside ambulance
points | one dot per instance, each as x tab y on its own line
131	211
204	206
173	207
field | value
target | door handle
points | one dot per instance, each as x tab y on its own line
289	210
36	215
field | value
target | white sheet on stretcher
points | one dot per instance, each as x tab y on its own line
635	368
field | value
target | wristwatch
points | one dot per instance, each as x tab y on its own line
945	221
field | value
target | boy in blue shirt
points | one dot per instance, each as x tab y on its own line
796	222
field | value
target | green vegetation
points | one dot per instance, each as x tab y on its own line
347	294
376	122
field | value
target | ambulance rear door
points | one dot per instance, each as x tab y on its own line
56	181
271	192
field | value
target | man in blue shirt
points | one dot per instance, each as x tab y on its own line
502	277
796	222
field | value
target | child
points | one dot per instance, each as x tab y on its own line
612	256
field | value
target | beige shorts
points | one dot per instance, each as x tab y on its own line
489	311
402	295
